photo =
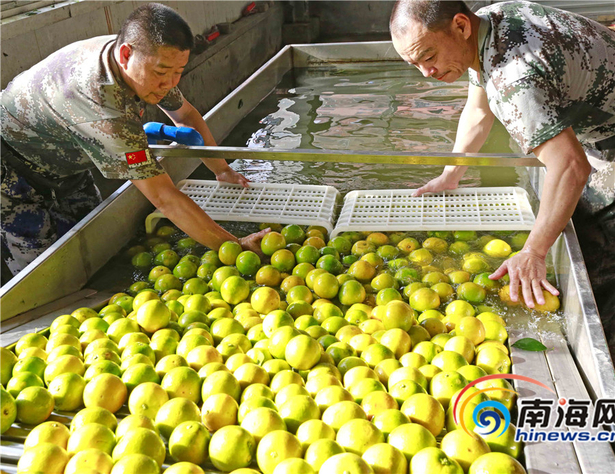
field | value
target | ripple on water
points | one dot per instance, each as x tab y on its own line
362	109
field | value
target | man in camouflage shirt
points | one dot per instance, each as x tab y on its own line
81	107
549	77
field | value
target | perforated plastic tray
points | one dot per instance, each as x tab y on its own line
505	208
260	202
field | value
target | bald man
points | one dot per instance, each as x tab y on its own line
549	77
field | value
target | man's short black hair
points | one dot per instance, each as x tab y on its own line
154	25
435	15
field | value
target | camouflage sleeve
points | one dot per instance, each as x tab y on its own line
172	101
118	147
530	111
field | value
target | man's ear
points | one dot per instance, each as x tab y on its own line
125	53
462	25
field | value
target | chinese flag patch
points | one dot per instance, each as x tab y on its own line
136	158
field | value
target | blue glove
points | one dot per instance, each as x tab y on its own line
184	135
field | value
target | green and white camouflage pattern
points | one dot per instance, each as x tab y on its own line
72	111
545	70
32	220
67	114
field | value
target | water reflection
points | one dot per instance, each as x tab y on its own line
276	132
363	109
375	110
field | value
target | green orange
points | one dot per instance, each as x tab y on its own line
283	260
229	251
326	286
307	254
293	234
272	242
248	263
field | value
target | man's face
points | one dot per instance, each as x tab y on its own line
152	76
444	55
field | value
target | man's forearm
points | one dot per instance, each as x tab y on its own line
190	218
474	126
562	189
194	120
567	172
473	130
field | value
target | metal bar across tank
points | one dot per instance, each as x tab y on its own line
345	156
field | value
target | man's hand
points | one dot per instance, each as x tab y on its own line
182	211
567	172
253	241
188	116
472	132
231	176
449	179
443	182
529	269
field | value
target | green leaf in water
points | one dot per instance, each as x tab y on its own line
530	344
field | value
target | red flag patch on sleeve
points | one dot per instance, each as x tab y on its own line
136	158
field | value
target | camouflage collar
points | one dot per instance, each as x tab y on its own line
117	75
484	29
115	69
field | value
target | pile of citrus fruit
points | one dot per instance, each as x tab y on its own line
319	356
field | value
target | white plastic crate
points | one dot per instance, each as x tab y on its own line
505	208
260	202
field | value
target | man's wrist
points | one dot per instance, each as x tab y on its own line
454	172
535	249
222	171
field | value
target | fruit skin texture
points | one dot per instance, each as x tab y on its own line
173	413
89	458
355	436
425	410
106	391
464	448
496	463
48	432
67	391
34	405
434	461
92	435
8	408
153	315
140	441
7	361
231	447
302	352
136	463
45	457
189	442
293	466
184	468
411	438
274	448
347	463
384	458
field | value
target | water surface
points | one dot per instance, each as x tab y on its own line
363	109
